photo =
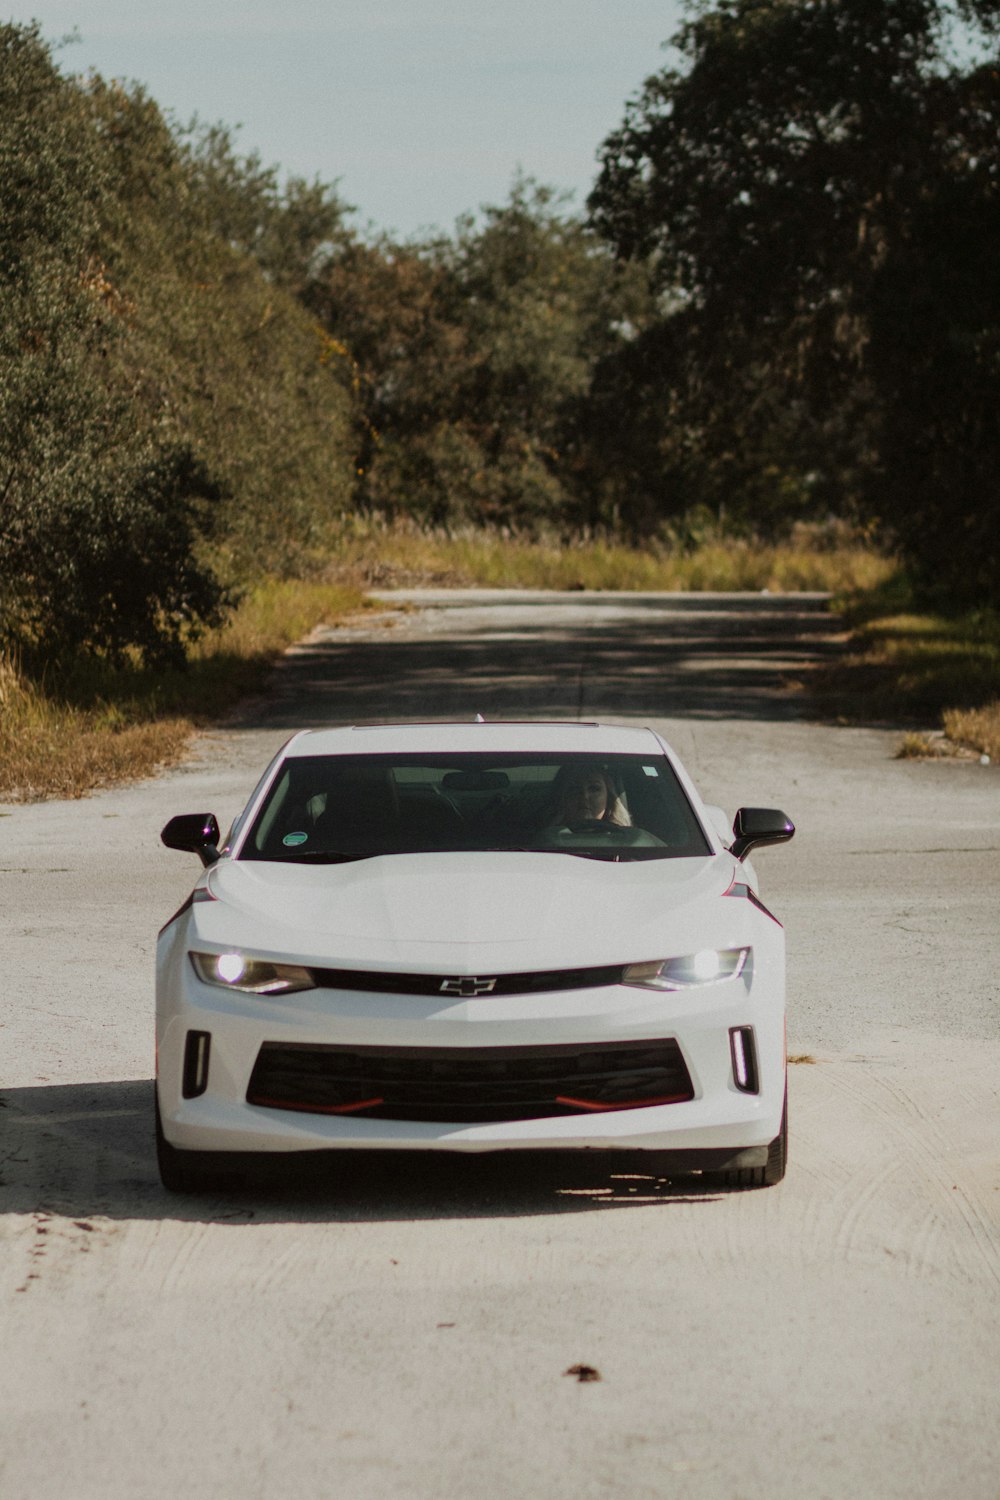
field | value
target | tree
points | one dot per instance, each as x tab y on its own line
113	564
473	357
220	353
934	356
287	230
783	184
170	414
97	534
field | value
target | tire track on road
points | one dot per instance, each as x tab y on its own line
956	1202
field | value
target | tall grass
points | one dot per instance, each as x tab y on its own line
374	554
64	733
930	669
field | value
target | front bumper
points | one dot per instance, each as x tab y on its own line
718	1117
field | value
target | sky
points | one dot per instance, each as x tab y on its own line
422	110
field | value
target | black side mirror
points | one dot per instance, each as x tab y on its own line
194	833
759	825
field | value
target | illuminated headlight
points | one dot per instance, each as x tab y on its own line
255	976
710	966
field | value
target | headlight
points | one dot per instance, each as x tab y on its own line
255	976
710	966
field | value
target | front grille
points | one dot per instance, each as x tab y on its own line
468	1084
541	981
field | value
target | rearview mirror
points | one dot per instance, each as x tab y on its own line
759	825
194	833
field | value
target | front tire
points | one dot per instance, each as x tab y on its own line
184	1171
756	1177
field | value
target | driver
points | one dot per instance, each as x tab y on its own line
586	794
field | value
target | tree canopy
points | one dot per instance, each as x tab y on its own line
474	359
784	305
170	414
816	190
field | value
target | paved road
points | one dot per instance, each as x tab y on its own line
403	1330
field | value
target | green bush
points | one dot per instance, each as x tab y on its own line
172	419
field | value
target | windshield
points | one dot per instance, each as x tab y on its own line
327	808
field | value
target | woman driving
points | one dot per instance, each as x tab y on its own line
586	794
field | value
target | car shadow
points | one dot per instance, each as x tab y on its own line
86	1150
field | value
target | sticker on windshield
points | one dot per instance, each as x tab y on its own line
650	771
292	840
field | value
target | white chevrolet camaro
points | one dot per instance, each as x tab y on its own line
474	937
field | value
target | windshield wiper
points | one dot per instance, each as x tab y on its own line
610	854
323	856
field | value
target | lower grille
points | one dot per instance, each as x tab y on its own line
468	1084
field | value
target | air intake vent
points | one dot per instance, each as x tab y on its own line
469	1084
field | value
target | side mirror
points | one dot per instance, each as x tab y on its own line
194	833
759	825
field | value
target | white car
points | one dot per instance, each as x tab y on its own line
474	937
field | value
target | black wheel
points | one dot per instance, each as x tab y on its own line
186	1171
766	1176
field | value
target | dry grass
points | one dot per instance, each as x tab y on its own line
88	727
914	746
274	614
941	673
379	555
978	728
49	748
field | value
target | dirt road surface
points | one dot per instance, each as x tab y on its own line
381	1329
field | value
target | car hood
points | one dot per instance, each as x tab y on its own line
506	911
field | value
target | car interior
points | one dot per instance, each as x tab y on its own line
359	806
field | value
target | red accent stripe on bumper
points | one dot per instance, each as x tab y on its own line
595	1107
317	1109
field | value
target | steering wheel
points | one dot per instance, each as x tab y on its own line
593	825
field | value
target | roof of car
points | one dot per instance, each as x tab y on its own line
563	737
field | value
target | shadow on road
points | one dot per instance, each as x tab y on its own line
700	657
82	1150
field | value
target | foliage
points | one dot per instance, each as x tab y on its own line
97	524
473	357
86	722
221	353
159	389
784	308
287	229
815	189
111	561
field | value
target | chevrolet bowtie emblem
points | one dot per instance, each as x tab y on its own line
466	986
